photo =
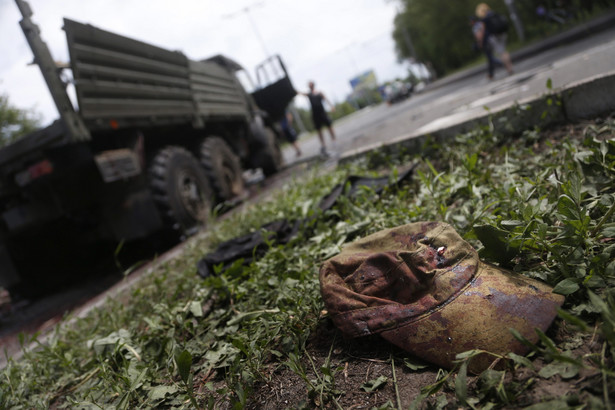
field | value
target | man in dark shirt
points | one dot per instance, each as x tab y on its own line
319	114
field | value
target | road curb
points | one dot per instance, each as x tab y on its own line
586	99
590	98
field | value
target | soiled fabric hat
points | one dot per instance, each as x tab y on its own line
423	288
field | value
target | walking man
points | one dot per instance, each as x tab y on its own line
319	115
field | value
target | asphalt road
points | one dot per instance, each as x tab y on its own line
442	105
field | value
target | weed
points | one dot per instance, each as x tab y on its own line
539	206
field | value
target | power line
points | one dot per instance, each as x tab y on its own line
247	11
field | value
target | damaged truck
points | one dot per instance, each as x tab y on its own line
152	142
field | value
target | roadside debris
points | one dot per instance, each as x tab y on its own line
254	245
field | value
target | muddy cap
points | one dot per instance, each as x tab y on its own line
423	288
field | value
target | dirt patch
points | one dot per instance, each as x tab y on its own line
339	371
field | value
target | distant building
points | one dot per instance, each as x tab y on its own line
362	85
367	80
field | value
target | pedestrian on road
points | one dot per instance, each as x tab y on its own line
477	31
289	131
490	34
319	114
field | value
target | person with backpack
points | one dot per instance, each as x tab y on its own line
490	33
477	27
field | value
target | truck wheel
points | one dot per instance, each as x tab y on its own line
269	157
222	167
180	189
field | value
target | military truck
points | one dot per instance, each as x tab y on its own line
156	141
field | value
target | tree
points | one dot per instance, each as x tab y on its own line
306	118
15	122
341	110
439	31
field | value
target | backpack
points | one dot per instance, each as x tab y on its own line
496	23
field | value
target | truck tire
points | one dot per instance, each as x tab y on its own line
269	156
180	189
222	167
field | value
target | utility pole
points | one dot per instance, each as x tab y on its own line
409	44
514	16
257	34
247	10
406	35
351	57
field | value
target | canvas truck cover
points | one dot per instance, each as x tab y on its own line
121	82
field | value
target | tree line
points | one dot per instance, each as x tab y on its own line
15	122
438	32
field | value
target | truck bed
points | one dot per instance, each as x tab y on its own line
121	82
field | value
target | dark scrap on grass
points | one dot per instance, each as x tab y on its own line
423	288
254	245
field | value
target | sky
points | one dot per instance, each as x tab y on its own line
326	41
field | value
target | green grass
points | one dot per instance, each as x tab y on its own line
543	206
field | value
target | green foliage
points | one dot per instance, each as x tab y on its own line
543	209
375	384
548	214
439	31
365	98
15	122
306	118
342	110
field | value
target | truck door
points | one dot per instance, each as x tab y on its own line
274	89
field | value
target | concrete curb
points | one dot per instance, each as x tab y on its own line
590	98
587	99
